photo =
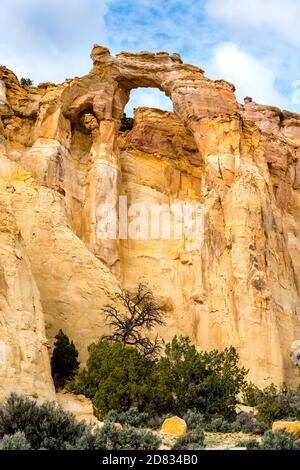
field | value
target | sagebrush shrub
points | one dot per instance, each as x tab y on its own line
84	442
192	440
128	438
250	444
15	441
155	422
131	417
193	419
221	425
249	424
244	422
279	440
45	426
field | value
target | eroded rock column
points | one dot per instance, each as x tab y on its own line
246	253
24	357
45	158
104	183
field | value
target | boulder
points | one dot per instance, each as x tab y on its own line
174	426
292	427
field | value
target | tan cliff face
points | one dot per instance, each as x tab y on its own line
62	157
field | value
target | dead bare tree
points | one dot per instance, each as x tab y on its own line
142	315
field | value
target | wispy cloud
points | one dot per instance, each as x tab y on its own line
50	39
251	75
268	33
280	17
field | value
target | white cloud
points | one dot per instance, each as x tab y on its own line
250	75
149	97
278	16
268	32
48	40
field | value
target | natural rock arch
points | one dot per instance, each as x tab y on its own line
147	97
106	91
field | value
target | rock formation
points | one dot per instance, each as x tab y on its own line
62	158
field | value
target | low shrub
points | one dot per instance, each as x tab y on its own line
126	123
131	417
134	418
15	441
193	419
155	422
26	82
128	438
84	442
45	426
244	422
221	425
250	444
279	440
192	440
272	403
249	425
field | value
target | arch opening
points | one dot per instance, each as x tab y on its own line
148	97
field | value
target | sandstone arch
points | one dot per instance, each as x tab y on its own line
107	91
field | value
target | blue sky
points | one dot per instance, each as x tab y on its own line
253	43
